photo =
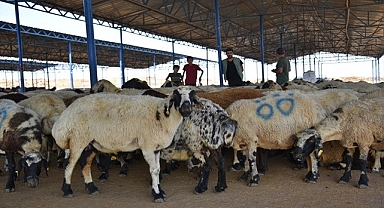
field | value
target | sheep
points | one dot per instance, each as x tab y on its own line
48	108
269	122
203	133
356	123
21	132
226	97
113	123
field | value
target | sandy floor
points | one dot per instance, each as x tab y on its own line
280	187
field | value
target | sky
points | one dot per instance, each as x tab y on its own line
252	68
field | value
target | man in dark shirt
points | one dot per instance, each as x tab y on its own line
176	77
233	69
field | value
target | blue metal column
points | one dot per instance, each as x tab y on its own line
90	41
373	72
122	58
154	68
46	62
173	53
378	68
281	40
19	49
206	50
295	55
218	40
70	63
262	40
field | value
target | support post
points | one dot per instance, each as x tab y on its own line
90	41
70	63
20	48
122	57
218	41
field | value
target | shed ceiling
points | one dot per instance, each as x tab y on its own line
351	26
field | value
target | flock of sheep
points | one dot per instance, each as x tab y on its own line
193	124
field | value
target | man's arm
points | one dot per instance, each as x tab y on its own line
279	70
202	72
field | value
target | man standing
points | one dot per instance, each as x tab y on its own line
232	69
283	67
190	70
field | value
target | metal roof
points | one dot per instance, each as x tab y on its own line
44	45
352	26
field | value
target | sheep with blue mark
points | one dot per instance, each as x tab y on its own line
270	121
357	123
21	132
113	123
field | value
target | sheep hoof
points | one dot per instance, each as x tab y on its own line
121	175
160	200
69	196
362	186
343	182
10	190
253	184
95	193
375	170
236	167
309	181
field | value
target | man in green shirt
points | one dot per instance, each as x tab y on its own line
283	67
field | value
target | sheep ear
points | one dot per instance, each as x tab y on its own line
318	147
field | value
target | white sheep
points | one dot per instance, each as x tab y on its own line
21	132
114	123
268	122
357	123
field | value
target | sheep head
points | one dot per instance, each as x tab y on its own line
307	141
183	99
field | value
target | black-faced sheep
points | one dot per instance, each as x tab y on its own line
355	124
269	122
48	107
202	134
113	123
21	132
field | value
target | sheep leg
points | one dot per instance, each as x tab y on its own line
348	159
86	159
221	178
153	160
252	153
204	176
123	165
74	156
377	165
313	169
103	162
238	161
10	186
363	181
247	169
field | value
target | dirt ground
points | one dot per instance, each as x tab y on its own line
281	186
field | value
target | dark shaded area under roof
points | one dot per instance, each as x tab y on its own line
53	46
351	26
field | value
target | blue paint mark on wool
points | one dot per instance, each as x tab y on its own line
280	102
3	115
265	115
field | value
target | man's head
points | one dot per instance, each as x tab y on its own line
189	59
229	52
280	52
176	68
